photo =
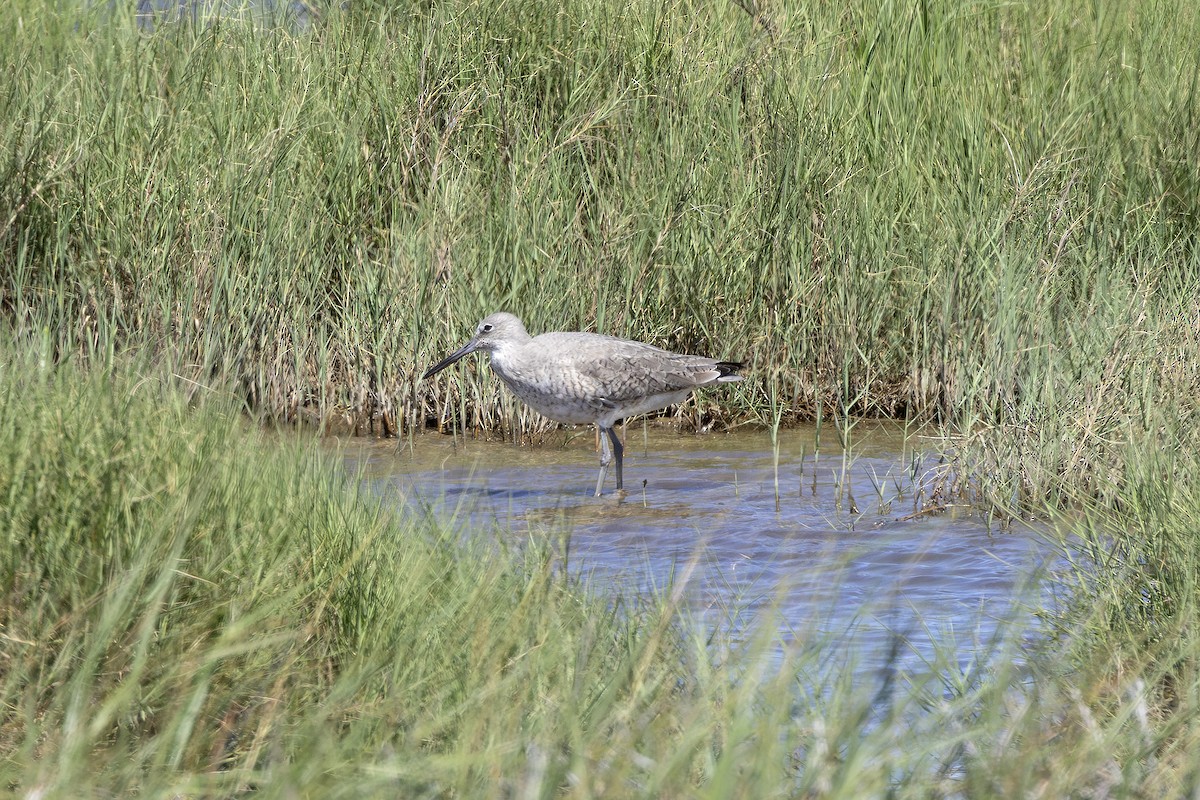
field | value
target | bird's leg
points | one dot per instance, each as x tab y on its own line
619	451
605	458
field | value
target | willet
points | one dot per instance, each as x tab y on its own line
576	378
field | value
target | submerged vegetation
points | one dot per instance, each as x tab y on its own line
983	216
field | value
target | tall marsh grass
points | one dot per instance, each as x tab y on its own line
926	209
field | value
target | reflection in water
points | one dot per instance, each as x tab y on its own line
878	578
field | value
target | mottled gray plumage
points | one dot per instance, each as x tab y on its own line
588	377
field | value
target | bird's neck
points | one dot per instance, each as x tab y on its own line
503	353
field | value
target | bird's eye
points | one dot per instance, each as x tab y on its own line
485	328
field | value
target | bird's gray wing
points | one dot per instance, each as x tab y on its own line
613	371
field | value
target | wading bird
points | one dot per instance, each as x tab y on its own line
577	378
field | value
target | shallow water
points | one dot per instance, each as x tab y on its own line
886	582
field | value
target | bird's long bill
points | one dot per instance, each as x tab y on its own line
466	349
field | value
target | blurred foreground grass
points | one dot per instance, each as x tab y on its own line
195	608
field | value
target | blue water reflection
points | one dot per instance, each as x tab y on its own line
887	582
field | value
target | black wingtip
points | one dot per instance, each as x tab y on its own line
727	368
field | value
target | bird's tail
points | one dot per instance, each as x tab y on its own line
728	370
